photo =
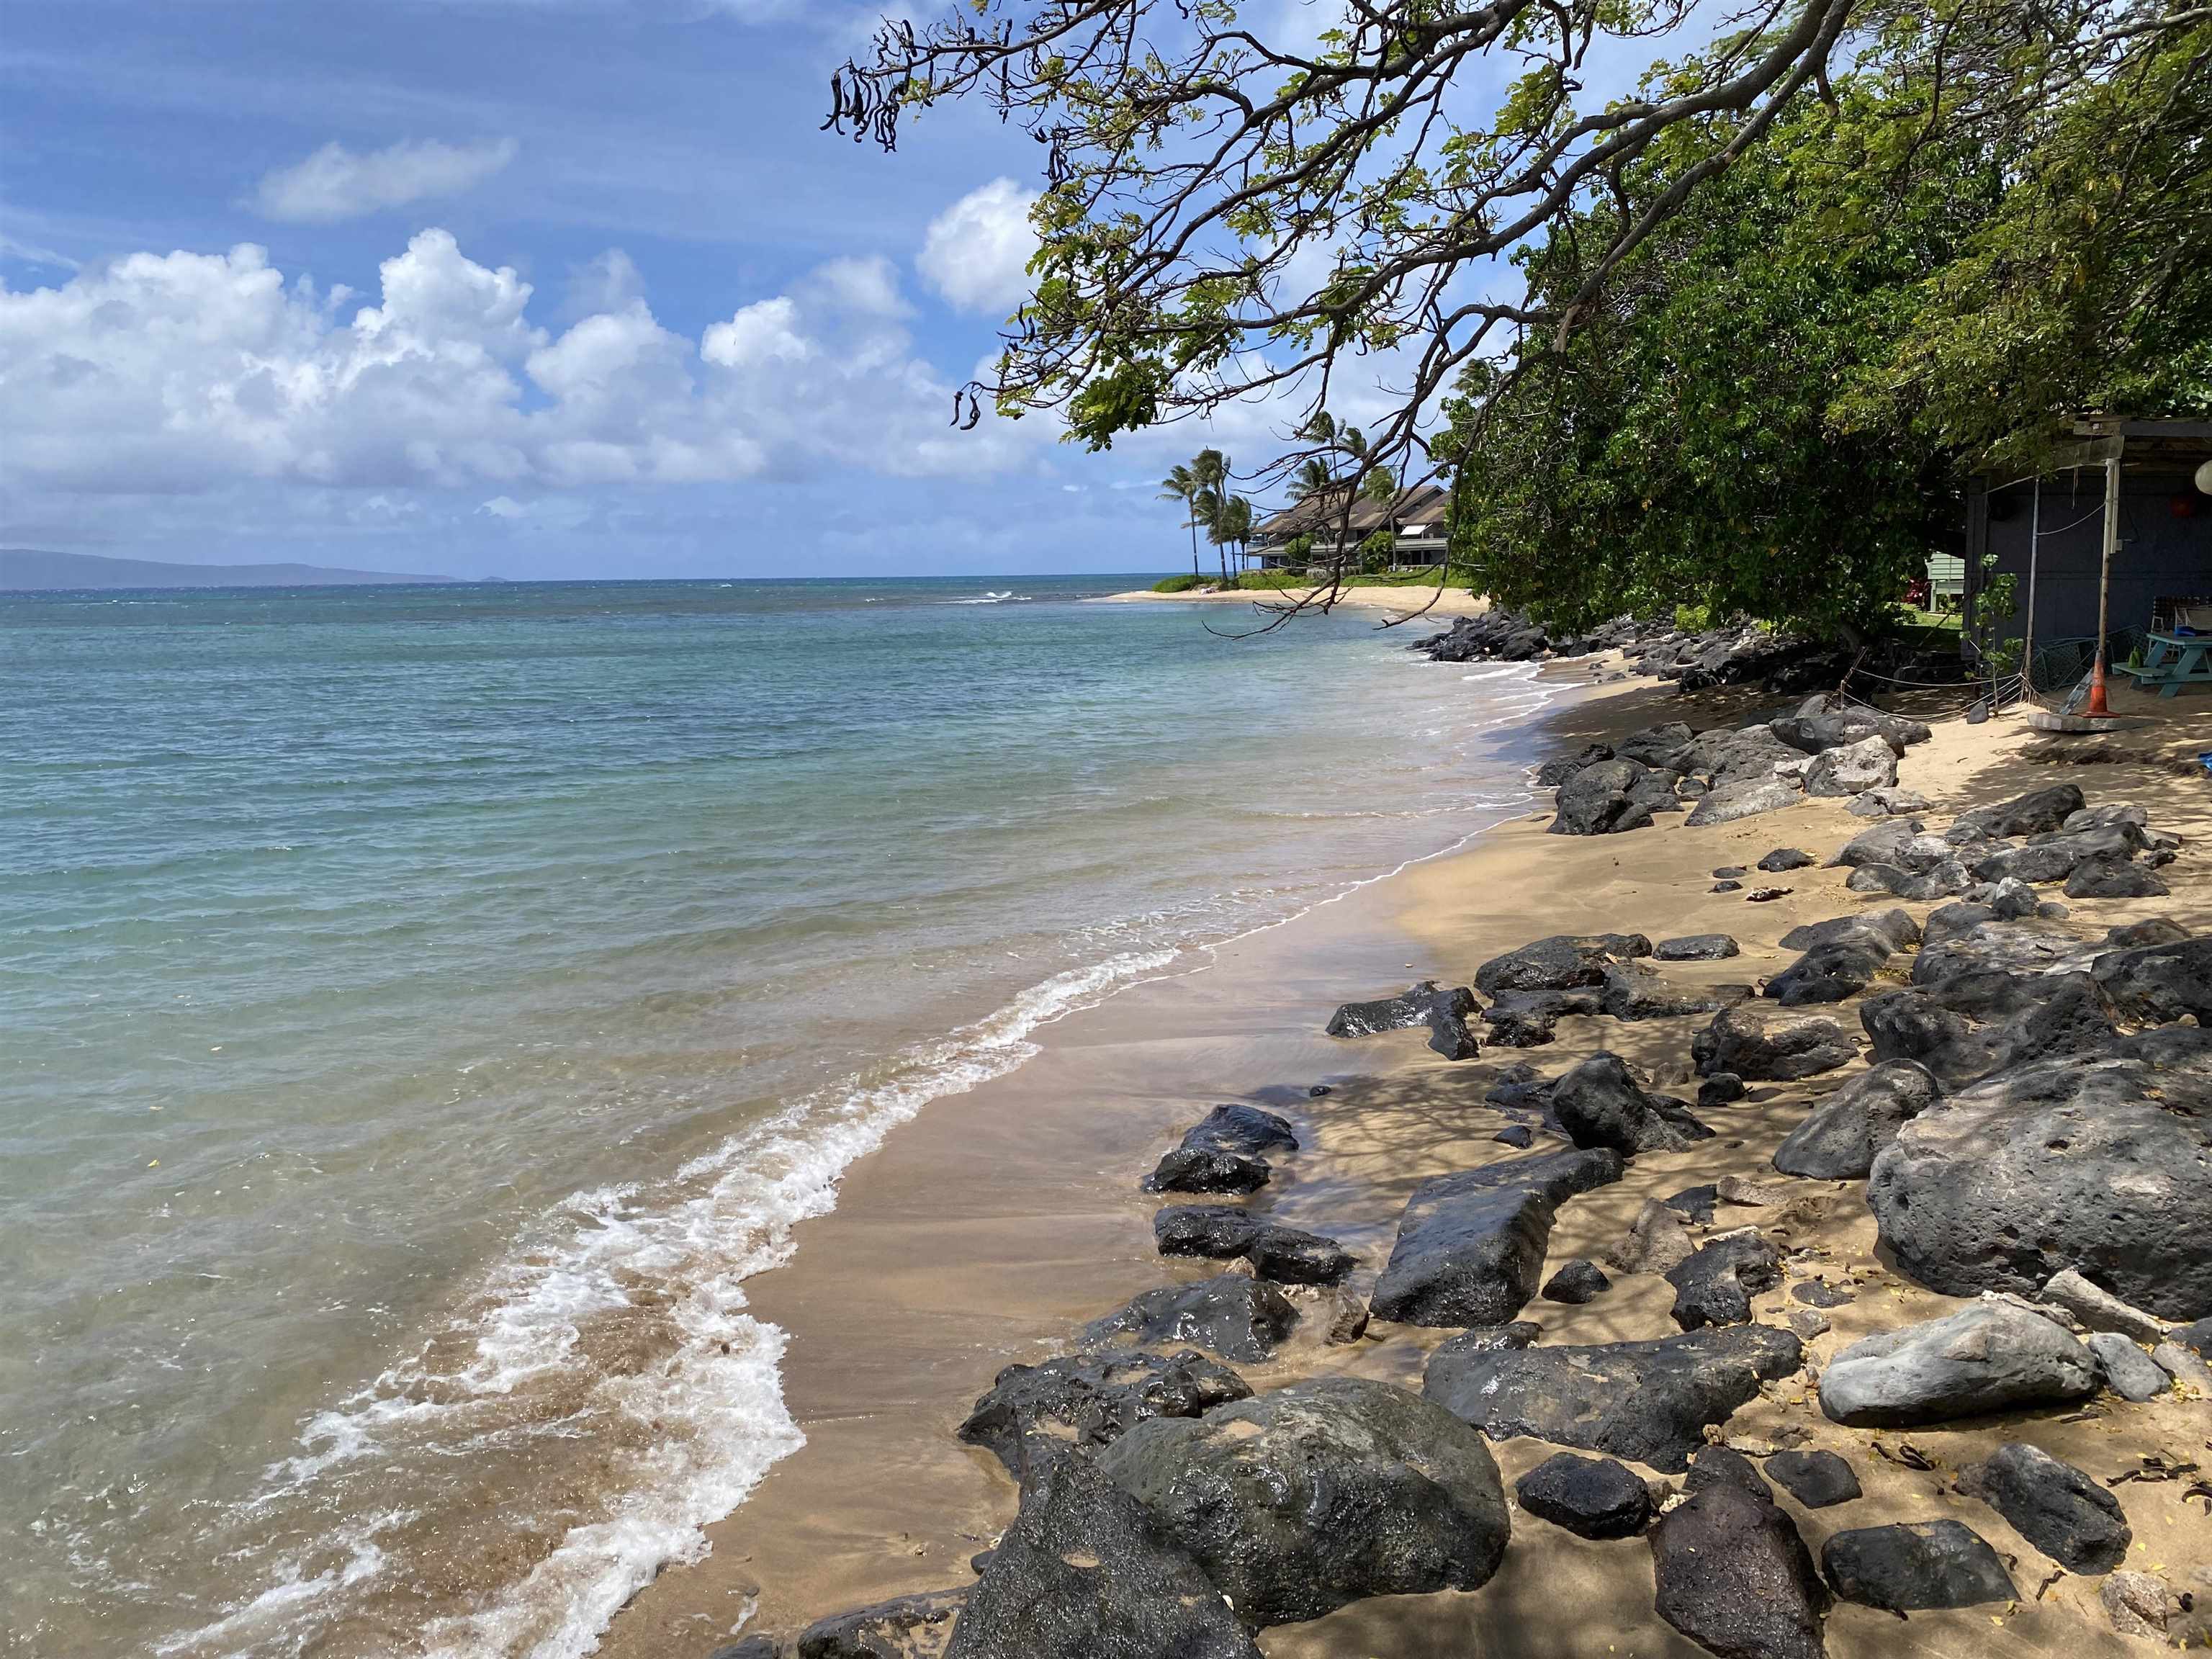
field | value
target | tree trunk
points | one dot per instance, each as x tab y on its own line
1193	544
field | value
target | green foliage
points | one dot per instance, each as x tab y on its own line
2089	287
1175	584
1680	447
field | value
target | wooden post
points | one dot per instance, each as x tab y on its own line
2097	707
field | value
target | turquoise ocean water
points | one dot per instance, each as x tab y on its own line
421	1009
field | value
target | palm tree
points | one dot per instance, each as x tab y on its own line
1210	467
1181	485
1233	523
1312	478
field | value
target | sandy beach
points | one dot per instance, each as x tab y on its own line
989	1228
1398	603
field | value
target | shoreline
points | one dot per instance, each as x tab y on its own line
984	1231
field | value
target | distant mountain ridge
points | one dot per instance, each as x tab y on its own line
24	569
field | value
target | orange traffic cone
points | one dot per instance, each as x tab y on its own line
2097	708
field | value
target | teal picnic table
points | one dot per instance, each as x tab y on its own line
2171	661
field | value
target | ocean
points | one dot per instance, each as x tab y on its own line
421	1009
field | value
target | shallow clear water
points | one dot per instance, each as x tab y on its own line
421	1009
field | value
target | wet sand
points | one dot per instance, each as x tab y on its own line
989	1228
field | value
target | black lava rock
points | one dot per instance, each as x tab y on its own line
1237	1317
1199	1170
1470	1246
1579	1281
1591	1497
1925	1564
1817	1479
1033	1412
1734	1578
1087	1572
1715	1286
1215	1231
1647	1401
1287	1256
907	1624
1320	1493
2053	1506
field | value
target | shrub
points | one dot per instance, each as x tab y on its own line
1175	584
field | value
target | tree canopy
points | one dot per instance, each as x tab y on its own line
1768	410
1762	303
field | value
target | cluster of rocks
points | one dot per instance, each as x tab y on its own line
1520	997
2030	1136
1827	746
2000	856
1696	660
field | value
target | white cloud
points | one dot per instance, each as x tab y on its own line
185	373
977	252
334	183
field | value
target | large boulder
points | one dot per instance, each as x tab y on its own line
2099	1161
1443	1009
1839	1140
1033	1412
911	1627
1760	1046
2052	1504
1529	1019
2058	1015
1870	763
1322	1493
1839	961
1471	1246
1561	963
1087	1572
1211	1231
1991	1357
1285	1255
1591	1497
1601	800
2115	879
1633	991
1646	1401
1732	1575
1714	1285
2038	812
1598	1104
1916	1564
1819	725
1900	841
1892	930
1745	796
1240	1128
1553	773
1235	1316
2054	857
1207	1169
2159	983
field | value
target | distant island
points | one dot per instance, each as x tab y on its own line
23	570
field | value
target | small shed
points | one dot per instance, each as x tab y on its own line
2047	531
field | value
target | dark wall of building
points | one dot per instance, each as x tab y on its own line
2163	555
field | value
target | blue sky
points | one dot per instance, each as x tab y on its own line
559	287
